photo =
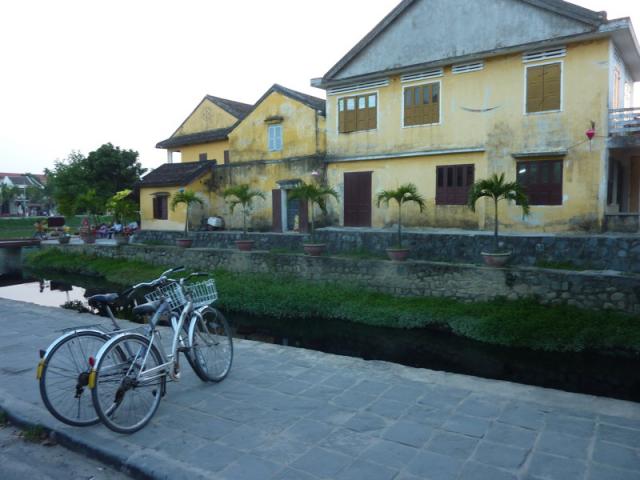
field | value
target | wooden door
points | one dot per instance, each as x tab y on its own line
357	199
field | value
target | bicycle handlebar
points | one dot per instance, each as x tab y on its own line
161	279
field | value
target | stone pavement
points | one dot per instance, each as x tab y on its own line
287	413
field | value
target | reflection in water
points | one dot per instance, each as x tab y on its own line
586	372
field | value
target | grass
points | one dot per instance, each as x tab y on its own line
522	323
35	434
3	419
561	266
22	227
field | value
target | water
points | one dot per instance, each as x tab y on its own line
592	373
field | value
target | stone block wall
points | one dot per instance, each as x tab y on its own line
592	252
592	290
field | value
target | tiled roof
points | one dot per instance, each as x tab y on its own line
237	109
175	174
309	100
195	138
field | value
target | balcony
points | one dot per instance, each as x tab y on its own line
624	127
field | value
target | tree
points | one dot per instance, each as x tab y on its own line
7	194
122	207
244	196
404	194
188	198
313	194
106	171
497	189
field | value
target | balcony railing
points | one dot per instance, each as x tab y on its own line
624	121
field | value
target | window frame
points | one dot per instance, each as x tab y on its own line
269	130
527	66
539	161
468	187
355	95
421	83
165	199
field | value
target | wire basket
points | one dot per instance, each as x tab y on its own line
203	293
173	292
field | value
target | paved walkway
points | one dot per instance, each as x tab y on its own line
287	413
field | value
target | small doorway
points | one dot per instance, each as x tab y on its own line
288	215
357	199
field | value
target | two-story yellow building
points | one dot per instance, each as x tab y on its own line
271	145
445	92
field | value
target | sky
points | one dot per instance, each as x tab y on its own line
75	74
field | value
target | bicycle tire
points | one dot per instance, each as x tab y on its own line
63	382
211	344
115	383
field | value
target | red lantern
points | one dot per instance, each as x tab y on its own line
590	134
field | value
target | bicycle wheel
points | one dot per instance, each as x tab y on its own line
124	395
64	376
211	344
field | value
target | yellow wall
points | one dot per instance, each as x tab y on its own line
214	151
206	116
177	217
249	140
501	131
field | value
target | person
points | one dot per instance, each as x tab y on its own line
115	228
103	231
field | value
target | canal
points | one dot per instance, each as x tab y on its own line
586	372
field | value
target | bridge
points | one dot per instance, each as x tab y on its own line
11	253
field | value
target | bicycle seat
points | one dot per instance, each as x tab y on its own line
108	298
147	308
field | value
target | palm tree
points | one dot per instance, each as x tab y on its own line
404	194
188	198
313	194
497	189
244	196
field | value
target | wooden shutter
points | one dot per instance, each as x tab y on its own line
408	106
362	113
164	202
276	210
350	114
453	184
551	87
156	213
535	89
226	157
341	116
357	199
435	103
278	139
202	157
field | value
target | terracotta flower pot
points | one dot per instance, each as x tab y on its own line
244	245
398	254
314	249
497	259
184	242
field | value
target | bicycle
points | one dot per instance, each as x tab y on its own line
132	369
63	369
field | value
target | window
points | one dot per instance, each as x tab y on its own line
422	104
544	84
542	181
275	138
202	157
160	210
226	157
358	113
453	183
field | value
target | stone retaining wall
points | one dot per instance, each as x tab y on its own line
596	252
592	290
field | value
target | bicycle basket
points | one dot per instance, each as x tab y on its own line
203	293
172	292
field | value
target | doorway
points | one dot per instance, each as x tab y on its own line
357	199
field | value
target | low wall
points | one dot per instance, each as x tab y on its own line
593	252
592	290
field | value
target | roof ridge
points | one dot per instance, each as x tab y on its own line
233	107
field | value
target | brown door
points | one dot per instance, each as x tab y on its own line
357	199
276	210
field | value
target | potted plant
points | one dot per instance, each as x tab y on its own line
313	194
404	194
87	232
188	198
497	189
242	195
64	236
122	208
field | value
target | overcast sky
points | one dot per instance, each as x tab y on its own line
75	74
